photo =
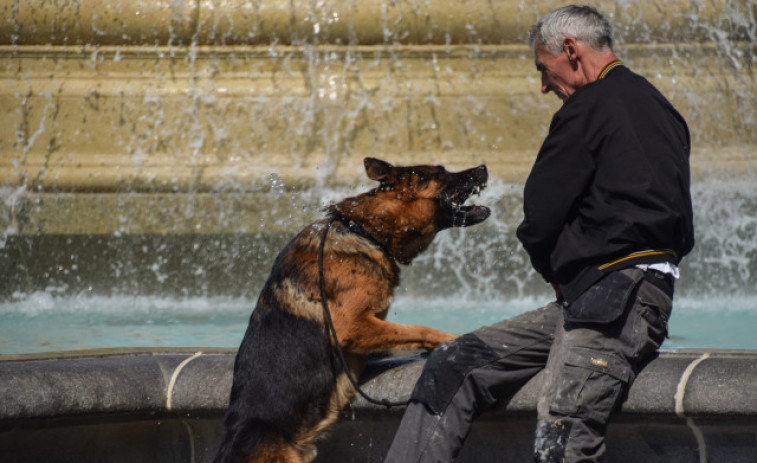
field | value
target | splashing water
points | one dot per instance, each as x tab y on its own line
468	278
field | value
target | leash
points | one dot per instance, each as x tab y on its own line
386	403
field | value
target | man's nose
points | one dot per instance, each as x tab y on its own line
545	83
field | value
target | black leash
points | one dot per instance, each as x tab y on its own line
326	311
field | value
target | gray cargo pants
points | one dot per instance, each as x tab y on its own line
589	368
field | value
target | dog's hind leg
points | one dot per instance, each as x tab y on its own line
341	395
278	452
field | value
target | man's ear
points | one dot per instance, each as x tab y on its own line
570	48
377	169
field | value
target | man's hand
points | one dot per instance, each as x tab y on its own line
558	293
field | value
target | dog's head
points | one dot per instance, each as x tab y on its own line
448	190
413	203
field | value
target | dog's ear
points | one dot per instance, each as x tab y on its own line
377	169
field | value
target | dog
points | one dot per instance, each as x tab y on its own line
289	384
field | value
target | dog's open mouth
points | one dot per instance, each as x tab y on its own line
465	184
463	216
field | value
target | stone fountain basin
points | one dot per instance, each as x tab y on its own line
166	405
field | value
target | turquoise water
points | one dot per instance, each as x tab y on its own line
483	269
44	323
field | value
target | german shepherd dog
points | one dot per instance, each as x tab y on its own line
289	384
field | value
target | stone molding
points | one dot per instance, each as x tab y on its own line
231	22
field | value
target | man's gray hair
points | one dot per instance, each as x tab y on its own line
583	22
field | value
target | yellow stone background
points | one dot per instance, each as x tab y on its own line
176	113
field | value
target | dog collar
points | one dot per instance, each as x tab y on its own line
358	230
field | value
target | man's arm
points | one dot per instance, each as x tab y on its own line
558	179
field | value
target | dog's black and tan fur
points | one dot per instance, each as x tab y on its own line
288	382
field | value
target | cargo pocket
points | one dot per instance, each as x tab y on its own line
590	383
605	301
654	311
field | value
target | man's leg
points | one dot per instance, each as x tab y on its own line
465	377
588	374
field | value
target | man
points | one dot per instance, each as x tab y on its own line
607	218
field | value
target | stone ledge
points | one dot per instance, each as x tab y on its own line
166	406
113	381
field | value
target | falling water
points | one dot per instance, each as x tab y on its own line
156	156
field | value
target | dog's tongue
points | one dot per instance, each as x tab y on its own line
464	216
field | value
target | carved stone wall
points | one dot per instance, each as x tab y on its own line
208	95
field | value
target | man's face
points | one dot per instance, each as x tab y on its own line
557	73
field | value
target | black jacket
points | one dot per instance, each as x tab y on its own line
610	185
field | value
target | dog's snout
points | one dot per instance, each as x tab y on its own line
481	173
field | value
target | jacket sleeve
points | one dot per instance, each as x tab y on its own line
562	171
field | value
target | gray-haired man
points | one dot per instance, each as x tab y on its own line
607	218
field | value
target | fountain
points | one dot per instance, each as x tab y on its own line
156	155
141	131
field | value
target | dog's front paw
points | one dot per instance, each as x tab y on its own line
439	338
